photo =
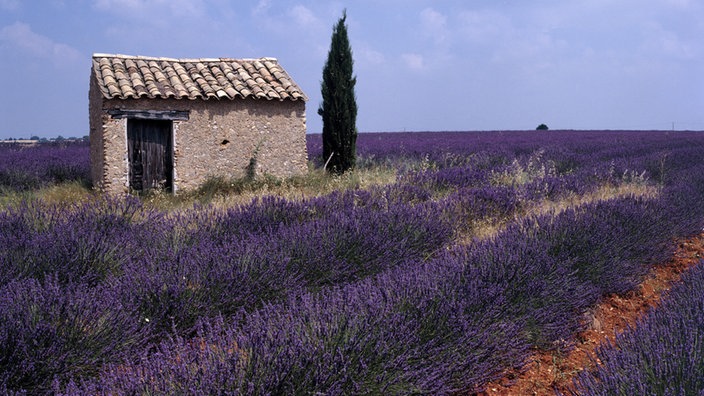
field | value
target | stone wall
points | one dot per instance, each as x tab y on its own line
97	152
221	138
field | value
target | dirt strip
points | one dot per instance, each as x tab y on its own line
548	371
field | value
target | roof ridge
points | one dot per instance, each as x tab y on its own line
159	58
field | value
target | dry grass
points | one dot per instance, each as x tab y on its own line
65	193
223	194
315	184
604	193
60	194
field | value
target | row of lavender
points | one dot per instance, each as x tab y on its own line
343	292
663	355
24	168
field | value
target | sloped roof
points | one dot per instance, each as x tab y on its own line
123	77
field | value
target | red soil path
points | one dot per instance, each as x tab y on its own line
551	370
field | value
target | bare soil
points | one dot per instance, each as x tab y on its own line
551	371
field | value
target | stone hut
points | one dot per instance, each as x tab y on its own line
161	123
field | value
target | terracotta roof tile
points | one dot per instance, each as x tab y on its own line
122	77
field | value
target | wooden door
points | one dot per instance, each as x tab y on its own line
150	154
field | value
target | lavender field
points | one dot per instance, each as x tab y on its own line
25	168
486	246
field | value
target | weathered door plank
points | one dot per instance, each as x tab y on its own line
150	154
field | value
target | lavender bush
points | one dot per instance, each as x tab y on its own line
50	331
221	272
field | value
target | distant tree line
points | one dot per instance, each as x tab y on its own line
53	139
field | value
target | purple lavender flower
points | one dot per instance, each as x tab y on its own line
25	168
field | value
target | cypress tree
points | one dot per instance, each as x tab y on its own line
339	106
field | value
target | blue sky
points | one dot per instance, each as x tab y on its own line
420	64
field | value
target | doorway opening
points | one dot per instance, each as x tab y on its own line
150	154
